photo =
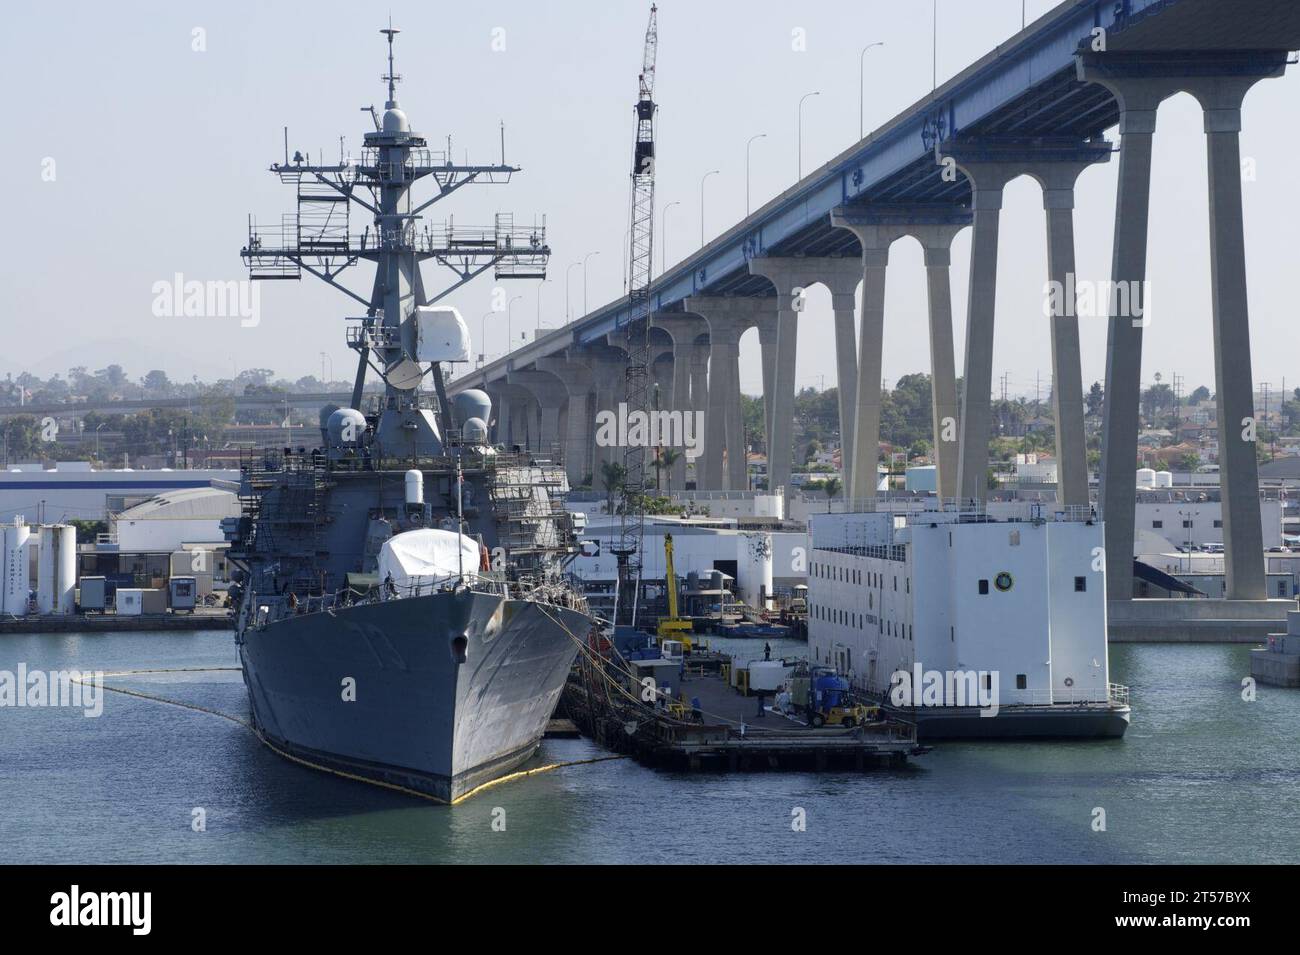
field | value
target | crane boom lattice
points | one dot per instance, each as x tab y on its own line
640	265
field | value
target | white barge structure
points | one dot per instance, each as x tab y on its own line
972	626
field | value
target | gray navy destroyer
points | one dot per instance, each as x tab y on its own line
404	613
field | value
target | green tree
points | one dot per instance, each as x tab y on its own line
832	488
1094	400
664	461
612	478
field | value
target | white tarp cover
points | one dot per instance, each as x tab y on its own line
425	557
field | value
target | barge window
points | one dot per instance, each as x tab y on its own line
1022	681
984	586
1080	585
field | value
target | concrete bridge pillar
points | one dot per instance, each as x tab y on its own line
700	397
684	329
578	434
787	275
1139	81
987	179
1055	163
608	367
550	395
877	227
517	417
1057	179
1244	574
767	324
840	276
860	452
724	426
945	411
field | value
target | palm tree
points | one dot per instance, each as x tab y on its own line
665	460
612	476
831	487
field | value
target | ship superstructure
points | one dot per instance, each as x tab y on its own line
404	612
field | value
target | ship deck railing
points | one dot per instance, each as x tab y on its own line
262	466
273	607
962	510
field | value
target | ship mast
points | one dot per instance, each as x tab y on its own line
317	238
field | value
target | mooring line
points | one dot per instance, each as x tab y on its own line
395	787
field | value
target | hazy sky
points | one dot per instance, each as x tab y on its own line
160	152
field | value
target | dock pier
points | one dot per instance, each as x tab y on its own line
729	732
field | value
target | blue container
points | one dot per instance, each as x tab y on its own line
829	689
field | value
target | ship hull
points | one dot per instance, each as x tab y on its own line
1027	722
378	690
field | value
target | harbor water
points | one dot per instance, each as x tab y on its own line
1202	776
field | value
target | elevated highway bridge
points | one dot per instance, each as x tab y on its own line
1039	105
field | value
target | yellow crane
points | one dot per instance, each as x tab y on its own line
673	627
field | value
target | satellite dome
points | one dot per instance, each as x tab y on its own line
475	431
325	412
346	427
395	121
472	403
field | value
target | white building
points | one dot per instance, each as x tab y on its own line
1181	523
73	491
762	561
169	521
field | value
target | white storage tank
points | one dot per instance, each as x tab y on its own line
1164	479
1146	477
15	564
45	569
56	569
65	569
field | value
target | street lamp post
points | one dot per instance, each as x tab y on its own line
539	303
482	339
510	323
568	311
862	59
711	172
663	235
801	102
747	145
584	279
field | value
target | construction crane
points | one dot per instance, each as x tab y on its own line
640	258
673	627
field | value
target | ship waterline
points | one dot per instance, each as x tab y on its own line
380	690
